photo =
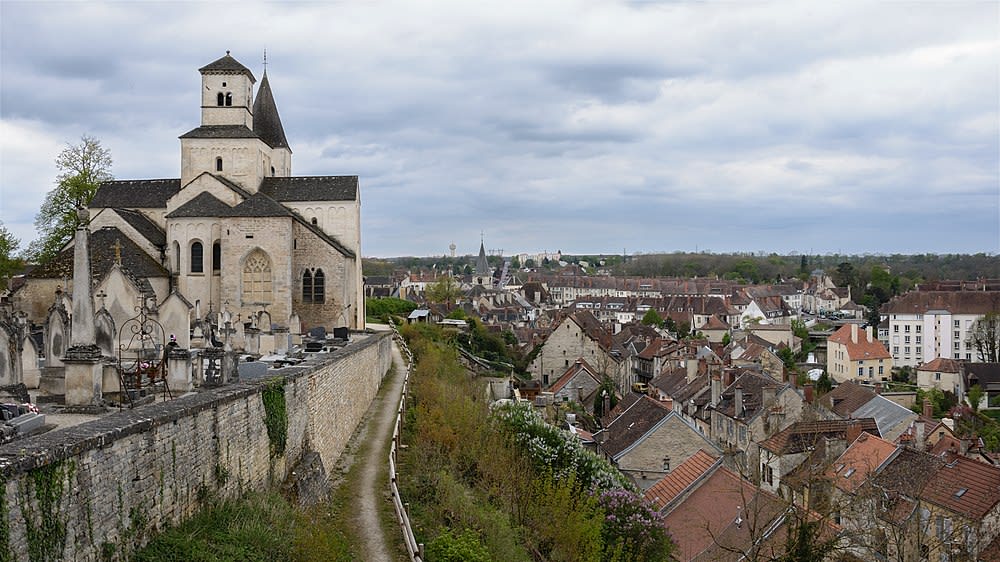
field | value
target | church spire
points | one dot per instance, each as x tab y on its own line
266	122
482	264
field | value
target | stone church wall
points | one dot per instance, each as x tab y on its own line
109	483
311	252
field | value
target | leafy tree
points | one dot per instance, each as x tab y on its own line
652	318
529	263
8	263
384	307
985	337
845	274
804	264
457	314
467	270
515	263
975	396
445	291
726	339
82	168
824	383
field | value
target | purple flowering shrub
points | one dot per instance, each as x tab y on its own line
632	529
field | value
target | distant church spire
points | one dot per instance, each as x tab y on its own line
482	264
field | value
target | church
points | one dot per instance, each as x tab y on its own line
235	235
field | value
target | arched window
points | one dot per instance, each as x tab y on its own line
272	170
319	282
313	286
307	286
216	257
220	100
315	220
197	257
218	164
257	279
177	257
229	99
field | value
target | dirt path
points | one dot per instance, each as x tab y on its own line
372	464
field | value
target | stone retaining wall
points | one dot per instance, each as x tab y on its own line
97	490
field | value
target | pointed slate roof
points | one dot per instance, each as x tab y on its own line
266	121
102	257
482	264
204	205
226	65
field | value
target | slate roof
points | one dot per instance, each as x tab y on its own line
203	205
697	466
482	264
141	194
144	226
802	436
982	374
266	121
220	132
311	188
260	205
102	256
887	413
226	65
632	425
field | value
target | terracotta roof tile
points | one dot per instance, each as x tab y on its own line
846	398
965	486
864	348
679	479
861	459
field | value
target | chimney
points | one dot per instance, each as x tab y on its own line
793	379
716	390
738	402
767	396
853	431
919	434
854	333
692	368
868	334
808	390
928	408
606	403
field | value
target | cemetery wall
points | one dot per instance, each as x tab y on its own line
97	490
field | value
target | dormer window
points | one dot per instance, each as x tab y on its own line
229	99
220	99
218	164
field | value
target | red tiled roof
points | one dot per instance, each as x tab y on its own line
689	471
864	348
860	460
956	302
941	365
965	486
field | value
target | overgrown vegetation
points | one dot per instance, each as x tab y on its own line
262	527
504	483
46	527
382	309
275	415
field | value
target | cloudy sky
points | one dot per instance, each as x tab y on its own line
586	127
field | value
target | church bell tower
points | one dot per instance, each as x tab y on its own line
226	93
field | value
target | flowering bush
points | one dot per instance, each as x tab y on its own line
632	529
555	450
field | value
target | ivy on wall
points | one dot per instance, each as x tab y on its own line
275	415
46	527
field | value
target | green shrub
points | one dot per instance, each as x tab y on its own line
464	547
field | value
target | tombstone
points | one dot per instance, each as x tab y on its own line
175	317
282	340
10	357
319	332
251	340
239	335
30	369
264	321
252	370
55	337
178	367
105	333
